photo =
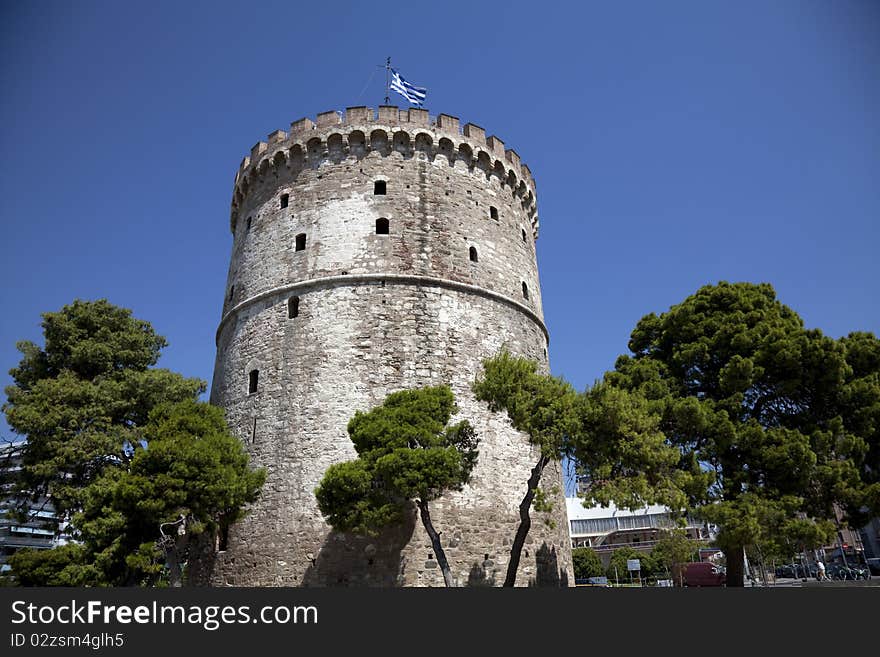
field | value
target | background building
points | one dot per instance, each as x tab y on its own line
38	530
607	528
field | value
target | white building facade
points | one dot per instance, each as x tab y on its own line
607	528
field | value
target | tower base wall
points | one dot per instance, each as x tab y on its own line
352	343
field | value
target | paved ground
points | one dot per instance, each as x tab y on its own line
789	582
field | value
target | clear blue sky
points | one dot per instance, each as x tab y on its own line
674	144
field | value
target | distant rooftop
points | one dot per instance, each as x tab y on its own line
576	510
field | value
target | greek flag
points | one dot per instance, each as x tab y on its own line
415	95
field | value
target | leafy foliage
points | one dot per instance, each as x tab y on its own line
771	422
586	563
621	447
192	467
617	565
60	566
120	449
539	405
544	408
405	451
83	397
672	548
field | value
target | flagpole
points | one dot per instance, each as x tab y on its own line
387	80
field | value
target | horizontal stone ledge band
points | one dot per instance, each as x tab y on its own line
400	279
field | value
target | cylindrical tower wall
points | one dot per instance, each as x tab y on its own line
372	255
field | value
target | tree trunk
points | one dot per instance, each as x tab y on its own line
735	566
175	576
172	560
435	543
201	556
525	521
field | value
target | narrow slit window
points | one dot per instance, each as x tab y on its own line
253	379
523	234
301	242
285	199
231	292
248	224
493	212
292	307
525	289
382	226
379	188
472	252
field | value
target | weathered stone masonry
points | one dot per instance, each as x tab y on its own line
334	315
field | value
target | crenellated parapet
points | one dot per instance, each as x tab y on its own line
407	133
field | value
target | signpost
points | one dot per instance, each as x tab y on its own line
634	565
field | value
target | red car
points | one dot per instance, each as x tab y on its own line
699	574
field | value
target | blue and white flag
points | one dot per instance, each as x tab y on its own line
415	95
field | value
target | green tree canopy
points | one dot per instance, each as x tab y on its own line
83	397
192	476
772	422
586	563
541	406
672	548
60	566
620	445
407	452
617	566
120	449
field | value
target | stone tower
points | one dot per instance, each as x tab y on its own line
374	252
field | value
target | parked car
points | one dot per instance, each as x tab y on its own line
699	574
785	571
592	581
811	571
797	571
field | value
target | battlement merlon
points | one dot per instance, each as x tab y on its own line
391	117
